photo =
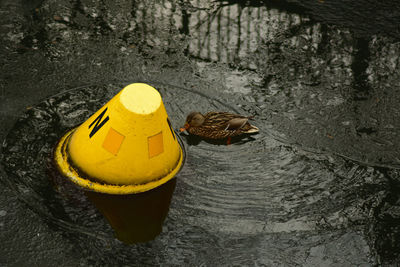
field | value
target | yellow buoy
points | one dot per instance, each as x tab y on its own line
128	146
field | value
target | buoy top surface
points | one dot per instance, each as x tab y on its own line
140	98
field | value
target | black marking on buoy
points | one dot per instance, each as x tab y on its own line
98	124
170	127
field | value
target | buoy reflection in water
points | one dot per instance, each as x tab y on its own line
135	217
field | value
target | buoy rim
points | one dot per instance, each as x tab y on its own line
70	172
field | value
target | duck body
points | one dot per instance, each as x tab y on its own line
218	125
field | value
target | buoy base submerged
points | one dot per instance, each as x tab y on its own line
71	172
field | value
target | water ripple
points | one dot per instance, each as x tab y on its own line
259	186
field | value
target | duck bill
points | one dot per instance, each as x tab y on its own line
185	127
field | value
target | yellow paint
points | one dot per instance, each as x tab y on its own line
105	163
140	98
156	146
113	141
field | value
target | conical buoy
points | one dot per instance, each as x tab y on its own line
126	147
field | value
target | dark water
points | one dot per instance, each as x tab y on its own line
319	186
260	187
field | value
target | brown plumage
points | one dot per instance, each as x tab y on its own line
218	125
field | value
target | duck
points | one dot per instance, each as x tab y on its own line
218	125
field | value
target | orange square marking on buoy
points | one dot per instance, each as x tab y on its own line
113	141
156	145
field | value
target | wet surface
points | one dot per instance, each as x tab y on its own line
318	186
249	188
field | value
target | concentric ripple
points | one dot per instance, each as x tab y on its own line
229	200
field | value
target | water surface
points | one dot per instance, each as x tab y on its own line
318	186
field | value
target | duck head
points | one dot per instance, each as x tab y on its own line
194	119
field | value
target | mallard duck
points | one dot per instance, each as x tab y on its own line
218	125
